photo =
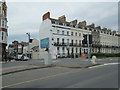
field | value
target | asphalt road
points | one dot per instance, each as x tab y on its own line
58	77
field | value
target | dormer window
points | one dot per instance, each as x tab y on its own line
79	27
53	22
60	23
74	26
85	28
67	24
90	29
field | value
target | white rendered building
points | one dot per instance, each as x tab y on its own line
65	38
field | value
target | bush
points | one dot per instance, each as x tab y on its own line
100	55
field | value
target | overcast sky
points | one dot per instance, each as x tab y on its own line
26	17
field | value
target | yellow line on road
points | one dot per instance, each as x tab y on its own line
38	79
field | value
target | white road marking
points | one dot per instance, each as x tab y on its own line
104	65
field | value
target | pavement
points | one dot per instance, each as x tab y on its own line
39	64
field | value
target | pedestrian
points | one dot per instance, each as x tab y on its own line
5	58
93	59
9	58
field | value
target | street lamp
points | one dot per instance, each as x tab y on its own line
28	44
28	36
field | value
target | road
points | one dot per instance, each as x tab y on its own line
104	76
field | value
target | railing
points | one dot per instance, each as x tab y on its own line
67	44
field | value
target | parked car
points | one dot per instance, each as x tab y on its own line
9	57
22	57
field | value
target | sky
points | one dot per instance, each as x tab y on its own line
26	17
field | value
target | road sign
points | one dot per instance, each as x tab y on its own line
44	43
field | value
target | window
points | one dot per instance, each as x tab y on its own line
63	48
72	33
72	41
85	28
79	27
74	26
67	24
57	40
2	35
90	29
79	34
79	42
67	41
53	22
3	23
76	34
60	23
76	41
76	50
58	48
67	32
58	31
63	41
63	32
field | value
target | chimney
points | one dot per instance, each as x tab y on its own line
62	18
46	15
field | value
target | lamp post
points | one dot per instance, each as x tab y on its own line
28	44
28	36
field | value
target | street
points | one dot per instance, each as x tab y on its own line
101	76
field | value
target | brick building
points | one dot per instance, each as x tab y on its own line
3	29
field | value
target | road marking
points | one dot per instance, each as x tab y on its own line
104	65
39	79
8	68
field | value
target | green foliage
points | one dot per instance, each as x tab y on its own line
102	55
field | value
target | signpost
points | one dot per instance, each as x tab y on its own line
44	43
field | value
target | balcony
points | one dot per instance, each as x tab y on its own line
60	44
96	45
67	44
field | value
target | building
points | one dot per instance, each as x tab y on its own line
3	29
65	38
70	39
16	48
32	49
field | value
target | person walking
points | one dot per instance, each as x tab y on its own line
93	59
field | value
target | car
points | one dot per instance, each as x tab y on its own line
22	57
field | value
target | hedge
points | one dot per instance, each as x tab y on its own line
106	54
